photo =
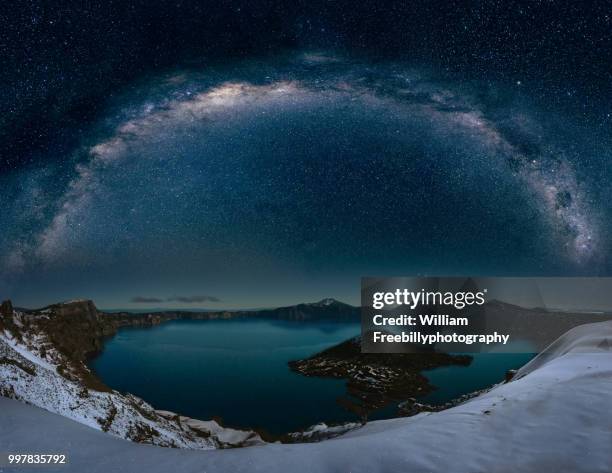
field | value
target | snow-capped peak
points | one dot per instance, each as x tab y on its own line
327	301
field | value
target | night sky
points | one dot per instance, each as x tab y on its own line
255	154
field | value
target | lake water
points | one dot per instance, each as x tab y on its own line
237	370
233	369
485	370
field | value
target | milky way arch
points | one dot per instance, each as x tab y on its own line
187	117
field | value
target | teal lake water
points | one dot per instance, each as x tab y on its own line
237	370
485	370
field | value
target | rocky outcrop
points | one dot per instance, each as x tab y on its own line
7	322
83	309
320	432
227	438
6	309
375	379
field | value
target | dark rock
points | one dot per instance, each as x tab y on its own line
376	379
6	309
83	308
510	375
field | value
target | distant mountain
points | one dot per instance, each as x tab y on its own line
327	303
325	309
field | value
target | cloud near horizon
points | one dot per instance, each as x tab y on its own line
183	299
145	300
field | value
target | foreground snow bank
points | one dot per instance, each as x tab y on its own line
555	416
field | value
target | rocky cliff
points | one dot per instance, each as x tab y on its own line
43	356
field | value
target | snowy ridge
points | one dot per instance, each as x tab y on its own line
32	371
586	339
122	415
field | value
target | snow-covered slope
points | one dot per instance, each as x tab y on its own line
32	370
554	417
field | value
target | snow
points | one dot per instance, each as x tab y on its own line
328	301
26	376
322	431
6	338
555	416
51	391
226	436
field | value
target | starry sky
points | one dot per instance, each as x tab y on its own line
256	154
